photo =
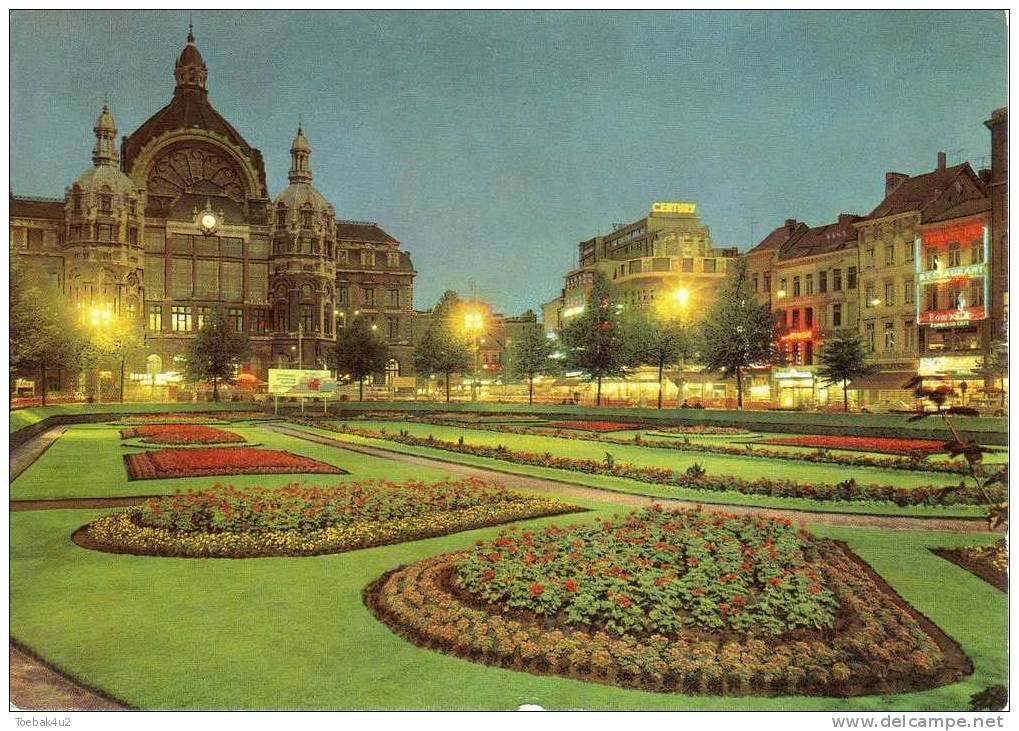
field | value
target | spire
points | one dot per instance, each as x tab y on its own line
300	154
190	71
105	150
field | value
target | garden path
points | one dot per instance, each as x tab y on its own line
35	686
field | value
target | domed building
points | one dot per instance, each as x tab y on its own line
180	223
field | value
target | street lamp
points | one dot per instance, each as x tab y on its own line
474	323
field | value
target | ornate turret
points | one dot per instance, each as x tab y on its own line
190	71
105	150
104	215
300	156
303	261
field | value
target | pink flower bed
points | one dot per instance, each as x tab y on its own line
203	462
884	445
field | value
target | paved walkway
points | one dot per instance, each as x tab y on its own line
34	686
24	455
567	489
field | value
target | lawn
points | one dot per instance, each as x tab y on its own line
58	472
778	468
745	467
293	632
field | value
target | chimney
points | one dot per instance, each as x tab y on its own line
790	224
985	176
846	218
892	181
942	160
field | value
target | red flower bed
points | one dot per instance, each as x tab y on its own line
180	434
592	425
202	462
672	602
884	445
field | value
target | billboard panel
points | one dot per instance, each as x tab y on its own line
294	382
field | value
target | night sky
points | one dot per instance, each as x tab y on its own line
489	144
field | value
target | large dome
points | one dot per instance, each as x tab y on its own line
189	110
298	195
105	176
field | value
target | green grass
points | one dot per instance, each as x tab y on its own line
21	418
853	423
293	633
636	487
746	467
87	461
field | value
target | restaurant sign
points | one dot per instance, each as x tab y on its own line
951	318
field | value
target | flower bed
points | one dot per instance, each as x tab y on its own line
595	426
201	417
883	445
676	602
205	461
846	491
914	462
990	563
303	520
180	434
705	430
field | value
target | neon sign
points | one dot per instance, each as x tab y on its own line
949	318
963	272
798	335
963	232
673	207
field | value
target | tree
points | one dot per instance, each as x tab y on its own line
594	340
738	332
215	352
443	348
43	330
995	364
360	352
530	355
659	342
843	359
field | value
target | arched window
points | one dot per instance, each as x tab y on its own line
392	371
307	291
153	364
281	215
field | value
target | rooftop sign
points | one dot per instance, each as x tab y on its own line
673	207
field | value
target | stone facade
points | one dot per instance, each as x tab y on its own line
179	222
665	262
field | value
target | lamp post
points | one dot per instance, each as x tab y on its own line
95	319
474	323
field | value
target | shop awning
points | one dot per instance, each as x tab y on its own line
886	381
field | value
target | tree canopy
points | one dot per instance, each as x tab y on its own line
659	341
595	340
215	353
443	348
530	355
738	332
359	352
843	359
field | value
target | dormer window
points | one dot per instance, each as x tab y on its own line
281	216
105	202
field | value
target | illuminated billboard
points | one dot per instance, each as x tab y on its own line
293	382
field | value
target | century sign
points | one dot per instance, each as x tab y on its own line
673	207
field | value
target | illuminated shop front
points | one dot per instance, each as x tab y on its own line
799	387
952	293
